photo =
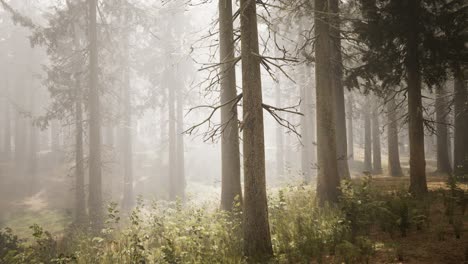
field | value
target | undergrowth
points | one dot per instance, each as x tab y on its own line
302	232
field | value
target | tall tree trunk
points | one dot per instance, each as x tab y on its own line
367	137
128	200
442	111
230	157
180	142
172	145
279	135
257	240
337	84
33	142
306	144
418	184
95	177
377	150
328	178
460	156
350	127
7	128
80	205
394	167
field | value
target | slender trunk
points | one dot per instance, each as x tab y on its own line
172	146
180	156
337	84
95	177
80	205
257	240
128	200
350	127
306	144
418	184
394	167
328	178
376	151
460	156
33	141
367	138
441	107
230	157
279	135
7	129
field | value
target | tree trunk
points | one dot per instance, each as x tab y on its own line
376	151
128	200
7	128
33	142
257	240
337	84
279	135
80	205
460	157
442	111
367	138
180	142
350	127
172	145
418	184
95	177
328	178
230	157
306	144
394	167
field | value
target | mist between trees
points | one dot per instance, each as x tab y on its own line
225	102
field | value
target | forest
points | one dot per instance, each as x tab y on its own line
233	131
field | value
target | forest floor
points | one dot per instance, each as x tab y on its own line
436	243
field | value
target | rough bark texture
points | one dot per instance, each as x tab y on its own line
418	184
95	174
442	111
394	166
328	179
230	157
376	148
350	127
460	157
337	84
367	138
257	240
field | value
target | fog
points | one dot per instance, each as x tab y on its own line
135	101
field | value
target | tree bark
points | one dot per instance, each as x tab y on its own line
306	144
394	166
418	184
257	240
7	127
173	193
350	126
442	111
377	150
230	157
337	84
460	156
367	138
95	174
328	178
